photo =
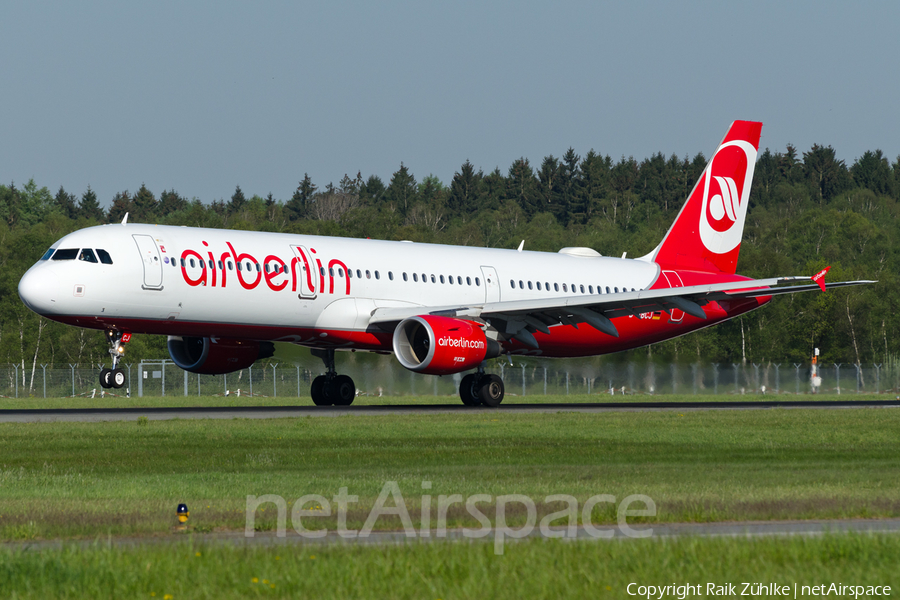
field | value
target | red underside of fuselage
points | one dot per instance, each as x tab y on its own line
563	341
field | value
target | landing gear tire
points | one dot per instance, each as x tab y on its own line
490	390
468	393
342	390
105	378
317	391
117	378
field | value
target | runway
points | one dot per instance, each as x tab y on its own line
278	412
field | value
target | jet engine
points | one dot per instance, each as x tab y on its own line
214	356
441	345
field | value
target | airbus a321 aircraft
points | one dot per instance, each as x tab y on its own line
224	297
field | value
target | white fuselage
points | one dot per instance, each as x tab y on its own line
185	281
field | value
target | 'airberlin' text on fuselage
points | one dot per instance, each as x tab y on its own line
302	272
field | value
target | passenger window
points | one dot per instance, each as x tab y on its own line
211	264
368	274
433	280
555	287
193	264
230	266
442	279
616	290
529	285
416	277
48	254
468	281
391	275
405	278
104	256
458	280
220	265
358	274
564	288
547	286
581	287
239	265
87	255
377	276
331	271
257	267
477	282
539	286
574	291
66	254
512	284
590	289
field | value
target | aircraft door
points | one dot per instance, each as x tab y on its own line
674	279
153	269
491	284
305	272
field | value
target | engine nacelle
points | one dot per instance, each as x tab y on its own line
215	357
441	345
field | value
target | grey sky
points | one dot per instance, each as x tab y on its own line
201	97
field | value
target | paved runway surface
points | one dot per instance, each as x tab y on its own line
740	529
275	412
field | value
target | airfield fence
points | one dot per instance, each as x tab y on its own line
381	376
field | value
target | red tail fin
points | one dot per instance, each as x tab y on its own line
706	235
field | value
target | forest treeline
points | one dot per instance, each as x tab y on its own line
806	211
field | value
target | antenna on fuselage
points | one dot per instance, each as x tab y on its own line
521	245
125	220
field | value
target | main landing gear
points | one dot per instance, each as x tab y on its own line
115	377
331	388
479	388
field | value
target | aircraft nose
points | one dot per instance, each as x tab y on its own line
39	289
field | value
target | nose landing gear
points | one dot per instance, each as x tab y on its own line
115	377
331	388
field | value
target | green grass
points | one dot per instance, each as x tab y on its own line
32	403
119	478
531	569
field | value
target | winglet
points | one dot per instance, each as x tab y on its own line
820	278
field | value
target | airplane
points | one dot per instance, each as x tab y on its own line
225	297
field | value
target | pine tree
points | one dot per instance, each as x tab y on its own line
465	189
121	205
170	202
145	206
402	190
66	203
522	187
237	201
89	207
298	206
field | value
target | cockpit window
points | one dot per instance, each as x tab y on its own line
104	256
87	255
66	254
48	254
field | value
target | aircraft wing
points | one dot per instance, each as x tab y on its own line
521	318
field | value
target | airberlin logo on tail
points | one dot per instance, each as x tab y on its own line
726	188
